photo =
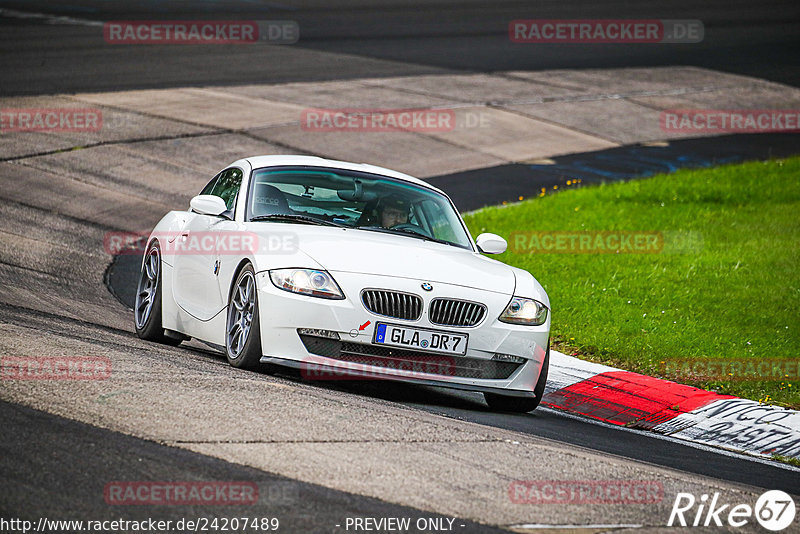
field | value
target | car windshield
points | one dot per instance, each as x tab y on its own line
355	200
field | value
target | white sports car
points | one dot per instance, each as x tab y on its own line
344	270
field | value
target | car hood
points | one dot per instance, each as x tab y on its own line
363	251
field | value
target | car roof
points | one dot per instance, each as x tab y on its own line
258	162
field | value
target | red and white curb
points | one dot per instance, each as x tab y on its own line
684	412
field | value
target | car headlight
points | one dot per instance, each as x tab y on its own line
306	282
524	311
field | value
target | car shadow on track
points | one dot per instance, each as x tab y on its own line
387	390
405	393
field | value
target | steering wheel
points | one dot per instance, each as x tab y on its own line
410	227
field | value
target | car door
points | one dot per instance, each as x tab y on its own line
197	252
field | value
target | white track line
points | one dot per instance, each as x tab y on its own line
48	18
694	444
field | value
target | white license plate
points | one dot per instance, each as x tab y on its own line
419	339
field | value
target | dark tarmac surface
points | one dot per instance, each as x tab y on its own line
66	479
351	39
615	164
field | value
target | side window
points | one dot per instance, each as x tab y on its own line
225	186
210	185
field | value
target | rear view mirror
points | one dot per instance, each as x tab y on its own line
491	244
208	205
357	194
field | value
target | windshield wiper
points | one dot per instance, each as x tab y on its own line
293	217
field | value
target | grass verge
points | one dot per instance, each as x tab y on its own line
711	297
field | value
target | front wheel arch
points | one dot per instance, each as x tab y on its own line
244	320
242	264
151	329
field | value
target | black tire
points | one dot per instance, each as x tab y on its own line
505	403
244	351
147	306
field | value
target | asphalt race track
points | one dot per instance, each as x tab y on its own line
318	452
351	39
622	163
65	478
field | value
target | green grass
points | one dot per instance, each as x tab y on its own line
786	459
732	294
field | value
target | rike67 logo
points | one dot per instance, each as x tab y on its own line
774	510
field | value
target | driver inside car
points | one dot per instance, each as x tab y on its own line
393	211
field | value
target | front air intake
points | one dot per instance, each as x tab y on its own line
453	312
393	304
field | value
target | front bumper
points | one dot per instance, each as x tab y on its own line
356	356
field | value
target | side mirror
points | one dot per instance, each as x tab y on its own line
491	244
208	205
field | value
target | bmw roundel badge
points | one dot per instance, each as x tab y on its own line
426	286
